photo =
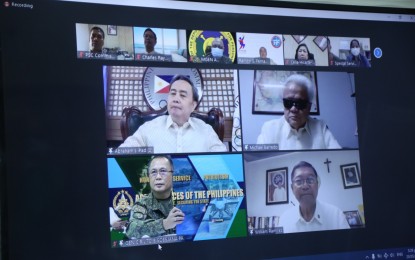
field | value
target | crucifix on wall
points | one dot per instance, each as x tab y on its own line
328	164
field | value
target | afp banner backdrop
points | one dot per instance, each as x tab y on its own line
209	189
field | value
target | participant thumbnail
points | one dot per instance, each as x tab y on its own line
269	87
303	191
108	42
211	47
305	50
160	44
171	110
165	199
260	49
349	52
293	110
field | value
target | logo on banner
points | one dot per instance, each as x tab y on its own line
276	41
241	42
200	40
122	203
156	84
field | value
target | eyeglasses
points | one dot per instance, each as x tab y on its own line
217	46
298	103
163	172
309	181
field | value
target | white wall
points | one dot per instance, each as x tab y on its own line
331	189
82	37
182	39
337	107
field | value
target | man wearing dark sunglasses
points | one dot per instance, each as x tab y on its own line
296	129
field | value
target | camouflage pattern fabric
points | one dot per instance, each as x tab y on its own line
146	217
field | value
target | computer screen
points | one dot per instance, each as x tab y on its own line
172	129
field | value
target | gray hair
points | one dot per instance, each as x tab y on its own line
301	81
301	165
218	40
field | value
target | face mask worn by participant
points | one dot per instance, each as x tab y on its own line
355	51
217	52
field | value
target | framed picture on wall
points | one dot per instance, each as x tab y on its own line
353	218
350	175
321	42
112	30
299	38
268	89
276	186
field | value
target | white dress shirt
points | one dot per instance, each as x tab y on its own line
314	135
165	136
326	217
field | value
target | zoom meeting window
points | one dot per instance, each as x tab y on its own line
187	126
260	112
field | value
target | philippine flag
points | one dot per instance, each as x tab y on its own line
162	83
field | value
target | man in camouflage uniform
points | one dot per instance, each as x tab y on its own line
154	215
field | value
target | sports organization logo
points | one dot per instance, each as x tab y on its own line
200	40
156	84
122	203
241	42
276	41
